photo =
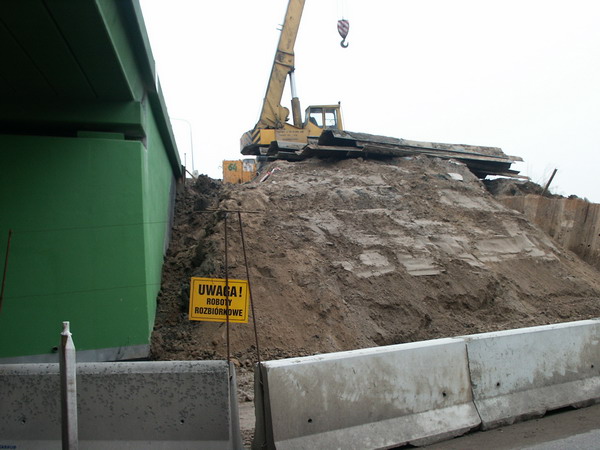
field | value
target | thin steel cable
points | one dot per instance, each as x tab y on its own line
249	288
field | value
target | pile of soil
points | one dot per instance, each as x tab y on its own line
514	187
347	254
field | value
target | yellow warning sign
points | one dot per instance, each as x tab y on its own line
211	299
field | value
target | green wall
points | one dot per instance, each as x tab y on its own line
88	164
89	219
159	197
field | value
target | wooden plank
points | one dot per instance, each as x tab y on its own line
342	138
433	151
405	151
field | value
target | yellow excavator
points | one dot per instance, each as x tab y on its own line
273	122
322	134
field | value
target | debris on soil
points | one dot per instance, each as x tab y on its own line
353	253
347	254
508	186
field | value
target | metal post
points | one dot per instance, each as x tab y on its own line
191	139
548	183
68	390
227	289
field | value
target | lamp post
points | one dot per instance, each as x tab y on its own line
191	138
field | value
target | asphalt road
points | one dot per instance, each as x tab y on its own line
568	429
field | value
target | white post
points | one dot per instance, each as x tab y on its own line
68	390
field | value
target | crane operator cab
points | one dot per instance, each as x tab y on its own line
323	117
317	119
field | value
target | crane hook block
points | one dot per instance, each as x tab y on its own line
343	27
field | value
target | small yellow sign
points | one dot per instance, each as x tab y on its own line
211	299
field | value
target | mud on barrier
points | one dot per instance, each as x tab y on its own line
423	392
380	397
523	373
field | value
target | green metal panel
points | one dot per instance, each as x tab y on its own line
72	65
78	252
117	27
78	50
87	35
89	210
20	77
66	118
36	32
158	197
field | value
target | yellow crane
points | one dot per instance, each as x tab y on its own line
321	132
273	123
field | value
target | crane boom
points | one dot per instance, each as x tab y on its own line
321	133
272	125
273	115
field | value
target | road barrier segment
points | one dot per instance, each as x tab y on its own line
382	397
426	391
133	405
523	373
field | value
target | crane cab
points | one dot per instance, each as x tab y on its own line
323	117
317	119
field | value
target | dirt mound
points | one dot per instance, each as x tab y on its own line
508	186
191	252
350	254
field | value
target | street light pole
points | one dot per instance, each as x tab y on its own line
191	138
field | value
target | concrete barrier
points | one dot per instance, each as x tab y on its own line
373	398
133	405
519	374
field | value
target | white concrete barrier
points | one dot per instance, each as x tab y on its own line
373	398
133	405
519	374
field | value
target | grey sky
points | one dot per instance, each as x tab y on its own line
520	75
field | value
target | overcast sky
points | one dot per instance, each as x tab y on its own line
521	75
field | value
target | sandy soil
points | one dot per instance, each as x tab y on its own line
351	254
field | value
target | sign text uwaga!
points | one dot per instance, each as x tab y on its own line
208	296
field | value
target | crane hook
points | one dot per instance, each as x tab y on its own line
343	27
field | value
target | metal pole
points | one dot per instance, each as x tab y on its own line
227	289
548	183
191	139
5	268
68	390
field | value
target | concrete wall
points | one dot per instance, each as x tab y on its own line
422	392
574	223
143	405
